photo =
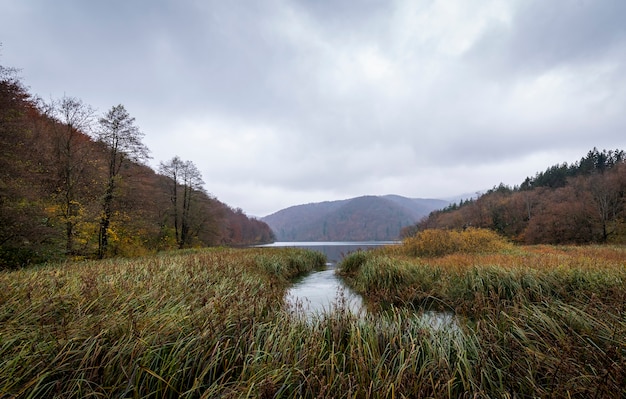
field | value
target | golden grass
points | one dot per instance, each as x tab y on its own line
434	242
548	321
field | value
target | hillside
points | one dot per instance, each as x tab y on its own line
367	218
579	203
67	194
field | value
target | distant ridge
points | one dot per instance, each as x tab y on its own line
366	218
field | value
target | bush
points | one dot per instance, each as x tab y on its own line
434	242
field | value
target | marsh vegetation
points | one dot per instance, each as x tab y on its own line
536	322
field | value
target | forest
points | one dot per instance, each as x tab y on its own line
76	185
578	203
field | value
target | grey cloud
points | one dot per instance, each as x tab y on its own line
293	101
544	35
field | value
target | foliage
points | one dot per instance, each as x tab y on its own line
566	204
435	242
60	191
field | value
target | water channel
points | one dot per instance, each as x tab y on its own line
322	291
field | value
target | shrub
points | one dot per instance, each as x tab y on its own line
435	242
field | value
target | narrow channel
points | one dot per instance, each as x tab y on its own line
323	291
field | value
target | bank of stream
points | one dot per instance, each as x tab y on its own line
323	291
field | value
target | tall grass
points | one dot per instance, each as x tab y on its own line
213	323
491	274
163	324
548	321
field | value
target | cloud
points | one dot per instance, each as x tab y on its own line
284	102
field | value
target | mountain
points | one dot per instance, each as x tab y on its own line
366	218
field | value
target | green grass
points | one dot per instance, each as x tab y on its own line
213	323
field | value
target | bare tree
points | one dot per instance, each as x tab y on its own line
192	184
186	183
122	138
173	170
74	120
607	196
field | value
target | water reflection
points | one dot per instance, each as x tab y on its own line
320	292
440	321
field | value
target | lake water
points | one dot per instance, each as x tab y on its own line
334	250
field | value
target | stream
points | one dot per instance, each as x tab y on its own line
322	291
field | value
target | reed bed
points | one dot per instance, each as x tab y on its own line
548	321
213	323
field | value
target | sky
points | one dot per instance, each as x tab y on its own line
287	102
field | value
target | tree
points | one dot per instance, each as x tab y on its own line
122	139
607	198
71	150
22	218
173	170
192	184
186	184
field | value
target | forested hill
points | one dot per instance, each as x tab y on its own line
582	202
64	193
364	218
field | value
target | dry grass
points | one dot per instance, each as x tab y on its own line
549	321
212	323
434	242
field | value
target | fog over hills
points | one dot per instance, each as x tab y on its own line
366	218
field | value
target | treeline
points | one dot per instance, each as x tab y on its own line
75	184
578	203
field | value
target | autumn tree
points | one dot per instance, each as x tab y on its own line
72	150
60	189
173	171
192	184
241	229
122	139
25	235
185	185
607	197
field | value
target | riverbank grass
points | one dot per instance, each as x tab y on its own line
213	323
548	321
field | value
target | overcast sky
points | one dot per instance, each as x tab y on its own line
282	102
